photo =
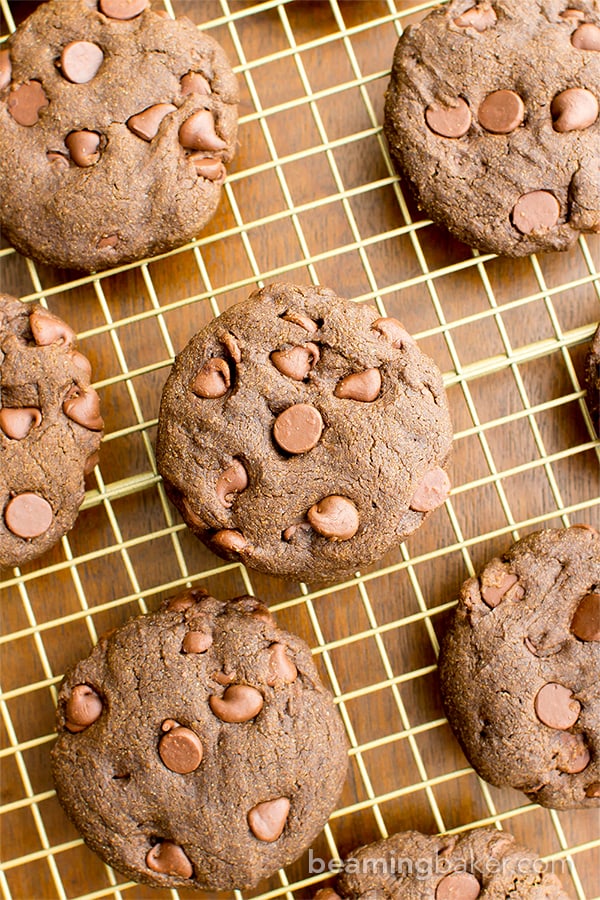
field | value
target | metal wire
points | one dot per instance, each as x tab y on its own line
126	381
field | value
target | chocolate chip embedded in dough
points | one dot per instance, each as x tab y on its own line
327	894
281	667
58	160
213	380
574	110
5	69
25	102
593	790
458	886
83	407
393	330
91	463
556	707
83	708
449	121
194	83
83	147
334	517
233	480
501	112
298	428
180	748
231	344
28	515
296	362
361	386
82	363
586	621
229	540
146	124
267	820
479	17
17	423
432	491
109	241
586	37
572	15
168	858
47	328
572	755
300	319
535	212
196	642
122	9
239	703
208	167
80	61
198	132
186	599
493	593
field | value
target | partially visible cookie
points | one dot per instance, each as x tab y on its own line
484	863
520	668
50	430
304	434
593	379
197	746
507	158
116	124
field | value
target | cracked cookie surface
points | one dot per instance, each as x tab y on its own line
116	125
50	430
506	158
303	434
520	668
197	746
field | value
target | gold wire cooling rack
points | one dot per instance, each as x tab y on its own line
312	196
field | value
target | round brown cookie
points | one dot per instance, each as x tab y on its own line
116	123
197	746
304	434
520	668
484	863
506	159
50	430
593	379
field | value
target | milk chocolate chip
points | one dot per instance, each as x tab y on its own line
574	110
393	330
449	121
83	407
147	123
573	756
83	147
239	703
281	668
213	380
168	858
296	362
25	102
28	515
586	37
501	112
493	593
300	319
432	491
198	132
361	386
556	707
586	622
49	329
180	748
5	69
83	708
334	517
478	17
17	423
207	167
194	83
535	212
267	820
122	9
593	790
298	428
80	61
232	481
196	642
229	540
458	886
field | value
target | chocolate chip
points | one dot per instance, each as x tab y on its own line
47	328
80	61
187	599
458	886
228	540
180	748
267	820
83	407
213	380
298	428
300	319
572	15
168	858
82	363
535	212
198	132
281	668
58	160
230	342
91	462
108	242
556	707
493	593
449	121
233	480
147	123
574	110
83	708
208	167
194	83
122	9
334	517
327	894
5	69
296	362
586	622
362	386
593	790
83	147
239	703
572	756
250	606
393	330
28	515
432	491
25	101
17	423
501	112
586	37
478	17
196	642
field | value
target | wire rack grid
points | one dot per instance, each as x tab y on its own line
312	197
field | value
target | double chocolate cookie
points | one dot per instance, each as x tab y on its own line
50	430
304	434
520	668
197	747
484	863
116	123
492	113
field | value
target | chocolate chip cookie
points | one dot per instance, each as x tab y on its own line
50	430
520	668
506	158
593	379
197	746
303	434
116	124
413	866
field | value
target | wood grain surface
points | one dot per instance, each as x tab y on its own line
311	196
